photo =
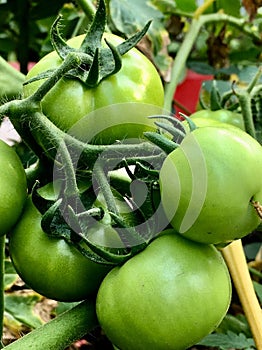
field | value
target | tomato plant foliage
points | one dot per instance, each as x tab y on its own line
70	100
51	266
141	243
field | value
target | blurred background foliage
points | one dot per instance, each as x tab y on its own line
220	49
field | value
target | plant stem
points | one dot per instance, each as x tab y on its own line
2	272
255	272
244	99
102	180
180	60
70	189
236	261
88	8
246	110
60	332
254	81
71	61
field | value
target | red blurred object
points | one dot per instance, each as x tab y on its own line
16	65
187	92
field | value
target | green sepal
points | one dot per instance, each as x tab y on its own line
146	172
106	255
173	120
43	75
175	127
131	238
117	60
92	78
94	35
215	97
128	44
53	223
59	44
191	124
41	204
97	62
161	141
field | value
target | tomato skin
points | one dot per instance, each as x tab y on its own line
13	187
168	297
221	115
208	183
70	100
51	266
203	122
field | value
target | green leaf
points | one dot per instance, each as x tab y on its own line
237	324
230	7
228	341
165	6
251	249
258	289
186	6
128	16
21	307
10	276
64	306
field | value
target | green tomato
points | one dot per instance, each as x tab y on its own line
13	187
221	115
168	297
208	184
202	122
111	108
51	266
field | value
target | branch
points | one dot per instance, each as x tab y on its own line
180	60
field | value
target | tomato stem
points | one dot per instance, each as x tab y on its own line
67	167
35	128
254	81
161	141
88	8
244	99
99	174
72	60
62	331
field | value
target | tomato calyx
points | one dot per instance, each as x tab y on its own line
61	221
73	217
97	62
174	127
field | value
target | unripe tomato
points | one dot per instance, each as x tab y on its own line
168	297
221	115
13	187
51	266
209	182
137	82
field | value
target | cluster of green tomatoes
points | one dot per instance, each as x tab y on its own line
177	289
